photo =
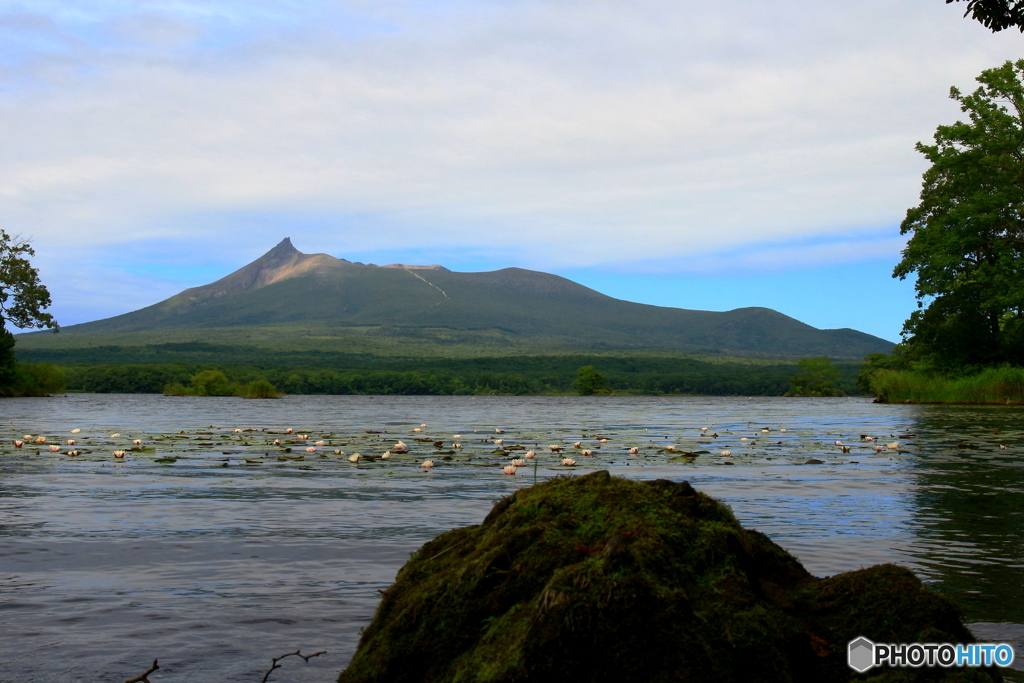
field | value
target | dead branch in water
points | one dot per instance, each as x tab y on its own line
274	662
144	677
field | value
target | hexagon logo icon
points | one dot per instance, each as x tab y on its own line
860	654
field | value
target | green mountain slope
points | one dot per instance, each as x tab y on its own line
287	292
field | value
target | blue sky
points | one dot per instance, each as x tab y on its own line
701	155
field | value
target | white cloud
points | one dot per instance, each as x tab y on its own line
611	130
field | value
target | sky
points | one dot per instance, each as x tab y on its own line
691	154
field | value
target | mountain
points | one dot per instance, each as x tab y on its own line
286	289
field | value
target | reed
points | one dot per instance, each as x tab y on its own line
1002	385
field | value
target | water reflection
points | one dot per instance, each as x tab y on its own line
969	500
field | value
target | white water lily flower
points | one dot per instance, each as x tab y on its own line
354	457
509	469
427	464
568	462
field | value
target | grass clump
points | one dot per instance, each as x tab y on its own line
1000	385
216	383
597	578
259	388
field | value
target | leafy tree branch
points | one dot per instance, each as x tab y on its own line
996	14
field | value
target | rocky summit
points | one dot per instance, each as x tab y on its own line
603	579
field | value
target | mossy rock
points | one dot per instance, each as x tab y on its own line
597	578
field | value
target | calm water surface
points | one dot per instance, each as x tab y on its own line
232	554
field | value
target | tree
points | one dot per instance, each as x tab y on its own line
996	14
22	296
817	377
212	383
589	381
967	238
22	300
8	363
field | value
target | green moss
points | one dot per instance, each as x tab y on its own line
597	578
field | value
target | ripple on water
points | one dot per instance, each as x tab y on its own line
215	564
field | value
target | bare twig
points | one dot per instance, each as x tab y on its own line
144	678
298	653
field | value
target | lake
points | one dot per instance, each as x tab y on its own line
213	549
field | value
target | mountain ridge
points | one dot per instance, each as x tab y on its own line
287	288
